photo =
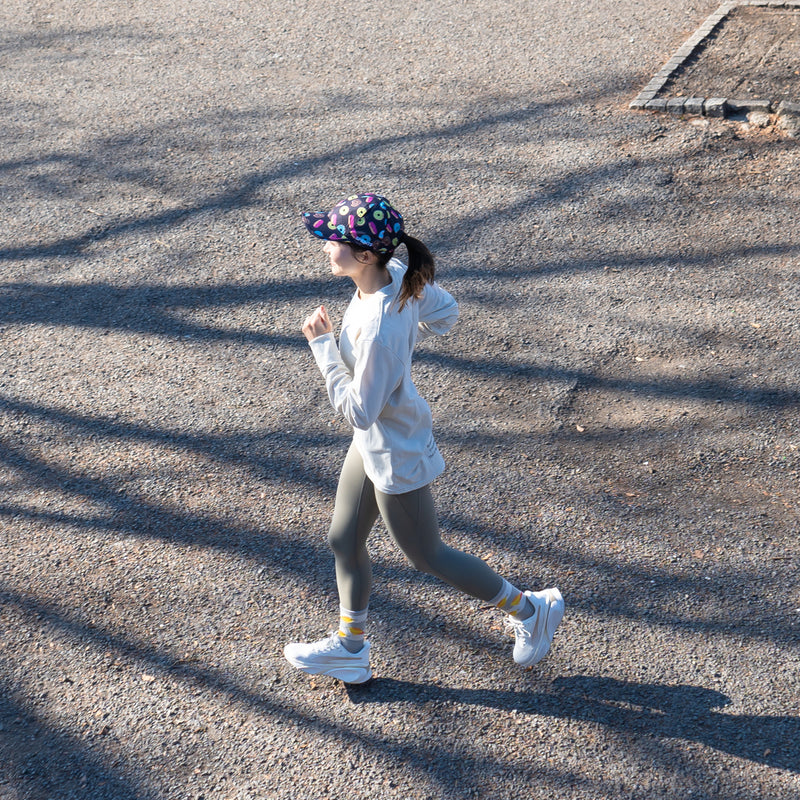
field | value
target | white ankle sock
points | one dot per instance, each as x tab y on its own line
512	601
351	628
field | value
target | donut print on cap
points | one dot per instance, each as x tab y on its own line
364	219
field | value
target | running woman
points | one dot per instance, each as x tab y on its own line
393	456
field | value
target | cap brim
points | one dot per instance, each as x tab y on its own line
316	223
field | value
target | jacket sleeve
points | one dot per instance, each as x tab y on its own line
359	398
438	311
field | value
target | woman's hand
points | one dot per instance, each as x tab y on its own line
317	324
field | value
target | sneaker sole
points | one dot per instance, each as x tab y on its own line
555	613
351	675
344	674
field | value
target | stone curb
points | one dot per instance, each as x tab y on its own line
713	106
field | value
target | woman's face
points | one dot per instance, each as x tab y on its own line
343	259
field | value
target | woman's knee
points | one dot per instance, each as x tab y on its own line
426	563
341	541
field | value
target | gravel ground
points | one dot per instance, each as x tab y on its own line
618	406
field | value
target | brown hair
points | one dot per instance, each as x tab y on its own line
421	267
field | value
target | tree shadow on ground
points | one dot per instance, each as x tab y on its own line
138	158
151	309
104	161
604	703
649	711
38	761
710	389
264	453
437	760
496	293
276	455
127	514
647	715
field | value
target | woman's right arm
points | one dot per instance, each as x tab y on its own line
317	323
359	397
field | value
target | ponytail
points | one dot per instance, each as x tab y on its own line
421	269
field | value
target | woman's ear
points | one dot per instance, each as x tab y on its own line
366	256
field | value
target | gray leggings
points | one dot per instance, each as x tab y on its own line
411	521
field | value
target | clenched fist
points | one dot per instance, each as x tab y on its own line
317	324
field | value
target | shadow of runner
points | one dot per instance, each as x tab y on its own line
652	710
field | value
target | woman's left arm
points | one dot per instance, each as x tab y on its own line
438	311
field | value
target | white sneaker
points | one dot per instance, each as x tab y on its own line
535	634
329	657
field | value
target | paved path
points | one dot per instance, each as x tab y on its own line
618	406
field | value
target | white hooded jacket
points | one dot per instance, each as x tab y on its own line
368	378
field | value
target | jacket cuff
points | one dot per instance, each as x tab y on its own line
325	351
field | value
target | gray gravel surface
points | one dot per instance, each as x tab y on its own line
618	406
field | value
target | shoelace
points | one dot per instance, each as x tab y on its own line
328	643
517	625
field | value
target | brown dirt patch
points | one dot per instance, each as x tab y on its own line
753	54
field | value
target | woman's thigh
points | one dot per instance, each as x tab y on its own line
356	509
412	523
